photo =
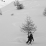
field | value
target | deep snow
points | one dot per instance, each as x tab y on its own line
10	32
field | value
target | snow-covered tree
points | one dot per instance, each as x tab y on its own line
29	26
18	5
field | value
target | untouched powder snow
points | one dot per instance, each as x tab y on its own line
3	4
10	32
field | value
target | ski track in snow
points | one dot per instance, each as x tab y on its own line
10	32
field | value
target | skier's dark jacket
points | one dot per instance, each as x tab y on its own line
30	37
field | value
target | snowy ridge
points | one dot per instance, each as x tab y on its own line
8	7
3	4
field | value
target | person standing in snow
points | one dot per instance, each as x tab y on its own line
30	38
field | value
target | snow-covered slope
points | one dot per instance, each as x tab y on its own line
10	34
3	4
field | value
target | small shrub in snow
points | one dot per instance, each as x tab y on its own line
19	7
0	12
44	13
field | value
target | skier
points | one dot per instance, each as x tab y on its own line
30	38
